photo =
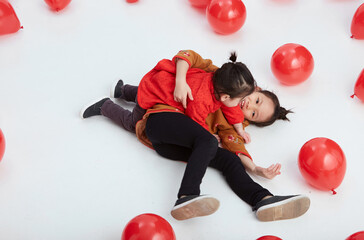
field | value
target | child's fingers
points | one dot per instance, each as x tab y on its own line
273	170
177	98
279	167
276	169
190	95
217	137
278	172
270	167
184	103
247	136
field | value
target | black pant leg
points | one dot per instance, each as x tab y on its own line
173	152
178	129
129	92
121	116
229	165
236	176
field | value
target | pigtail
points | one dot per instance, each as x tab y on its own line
282	113
233	57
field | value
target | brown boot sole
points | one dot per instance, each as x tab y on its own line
290	208
201	207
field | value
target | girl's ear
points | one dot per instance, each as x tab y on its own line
258	88
224	97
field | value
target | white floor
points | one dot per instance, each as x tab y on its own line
67	178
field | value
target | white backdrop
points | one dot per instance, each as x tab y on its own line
67	178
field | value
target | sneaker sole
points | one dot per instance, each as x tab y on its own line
196	208
287	209
112	89
91	103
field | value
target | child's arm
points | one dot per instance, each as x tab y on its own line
195	60
231	141
269	172
186	59
235	117
240	130
182	90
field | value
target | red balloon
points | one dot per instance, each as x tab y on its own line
148	226
131	1
292	64
9	22
200	3
2	145
357	24
226	16
57	5
269	237
322	163
359	87
356	236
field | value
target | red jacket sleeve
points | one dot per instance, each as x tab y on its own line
233	114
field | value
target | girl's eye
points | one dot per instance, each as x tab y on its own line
253	114
257	101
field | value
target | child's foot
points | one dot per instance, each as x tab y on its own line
281	207
194	206
94	109
115	91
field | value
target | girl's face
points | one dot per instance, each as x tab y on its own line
257	107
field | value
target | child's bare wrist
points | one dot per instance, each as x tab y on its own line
181	81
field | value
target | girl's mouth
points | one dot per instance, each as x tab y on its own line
242	103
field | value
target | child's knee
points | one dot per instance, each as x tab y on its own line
209	141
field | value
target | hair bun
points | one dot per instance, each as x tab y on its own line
233	57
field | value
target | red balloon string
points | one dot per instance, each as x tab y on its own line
333	192
352	96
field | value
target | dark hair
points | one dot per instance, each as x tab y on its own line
279	112
233	79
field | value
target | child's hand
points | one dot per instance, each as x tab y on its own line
181	92
217	137
246	137
270	172
241	132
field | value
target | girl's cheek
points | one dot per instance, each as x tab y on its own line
246	114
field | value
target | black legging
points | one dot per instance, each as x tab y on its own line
177	137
